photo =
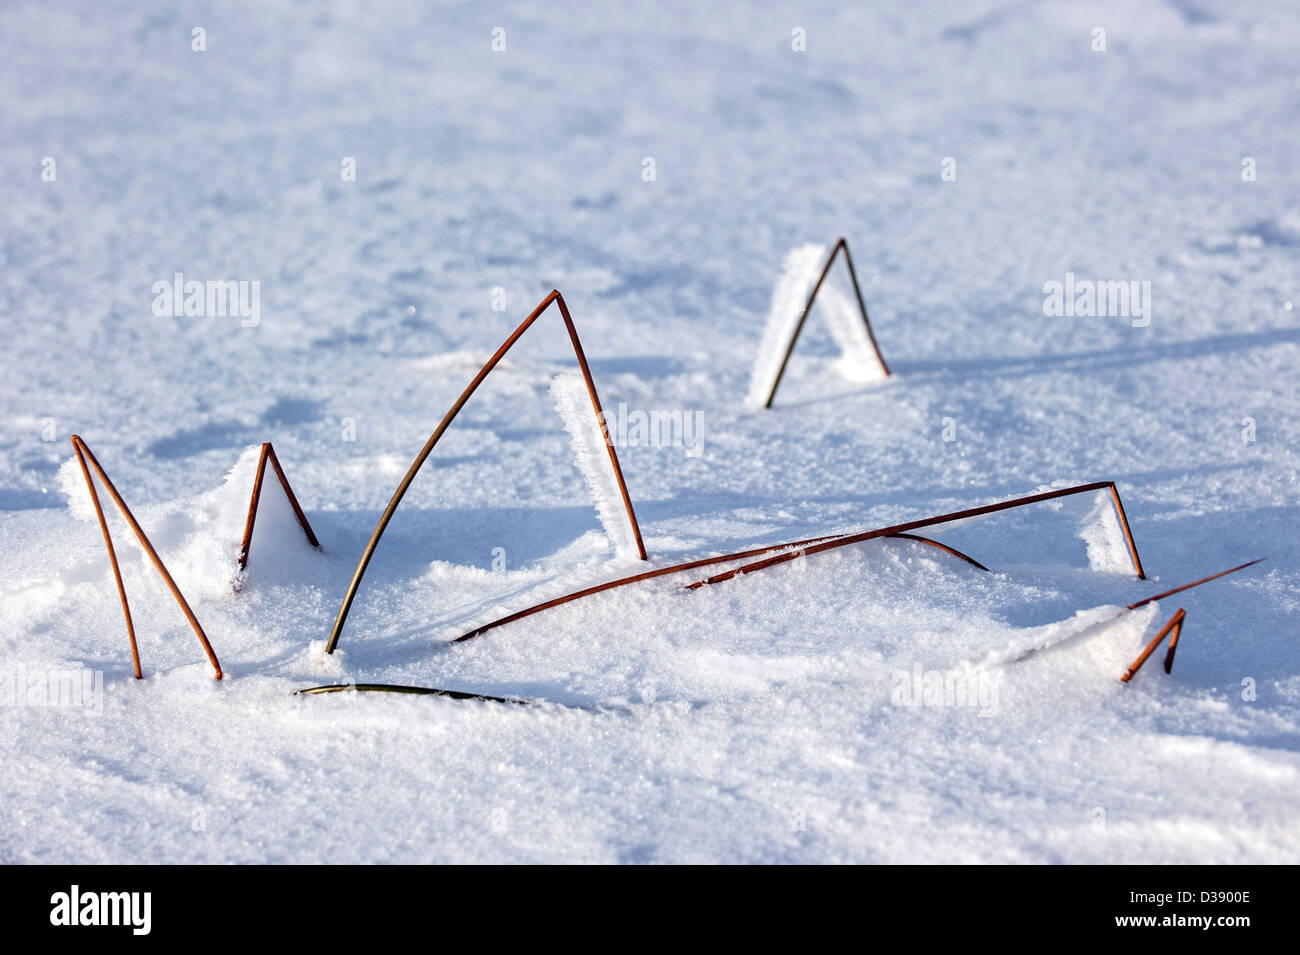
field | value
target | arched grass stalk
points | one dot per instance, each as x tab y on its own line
553	298
780	553
793	546
848	539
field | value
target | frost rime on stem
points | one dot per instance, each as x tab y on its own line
858	359
799	272
569	392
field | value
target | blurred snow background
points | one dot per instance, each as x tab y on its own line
753	721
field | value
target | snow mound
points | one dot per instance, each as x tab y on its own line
1112	655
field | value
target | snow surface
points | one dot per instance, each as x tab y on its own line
773	718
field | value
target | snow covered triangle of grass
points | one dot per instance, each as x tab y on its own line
858	359
569	392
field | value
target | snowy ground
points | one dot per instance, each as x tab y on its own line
757	720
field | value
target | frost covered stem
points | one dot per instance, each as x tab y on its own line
486	370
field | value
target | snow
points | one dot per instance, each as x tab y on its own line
1104	537
770	718
858	360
